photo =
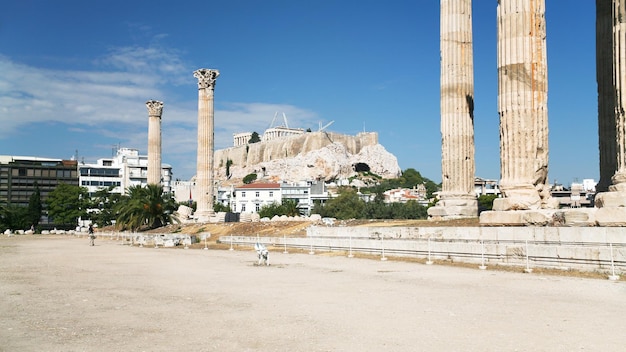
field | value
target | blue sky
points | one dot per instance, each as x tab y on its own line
75	75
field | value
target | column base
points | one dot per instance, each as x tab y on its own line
578	217
204	215
454	208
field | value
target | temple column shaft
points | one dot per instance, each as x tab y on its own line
522	104
619	79
204	173
606	94
457	198
155	109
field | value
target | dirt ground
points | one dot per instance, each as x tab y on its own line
59	294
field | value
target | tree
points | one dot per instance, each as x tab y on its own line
14	217
145	207
66	204
254	138
35	207
228	164
289	207
101	206
249	178
347	205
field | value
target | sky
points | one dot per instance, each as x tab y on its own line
75	76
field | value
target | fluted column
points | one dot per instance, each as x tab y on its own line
612	115
522	105
457	198
204	173
619	77
155	109
606	94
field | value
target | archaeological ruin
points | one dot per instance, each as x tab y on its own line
522	107
204	168
155	110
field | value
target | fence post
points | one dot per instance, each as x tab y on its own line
612	277
482	255
429	262
528	269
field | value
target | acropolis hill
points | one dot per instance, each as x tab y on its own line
318	155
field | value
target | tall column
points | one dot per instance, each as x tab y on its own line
204	173
615	105
155	109
457	198
522	105
606	94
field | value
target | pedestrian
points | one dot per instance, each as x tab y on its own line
92	236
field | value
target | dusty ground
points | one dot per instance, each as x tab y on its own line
59	294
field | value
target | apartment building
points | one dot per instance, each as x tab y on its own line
20	174
127	168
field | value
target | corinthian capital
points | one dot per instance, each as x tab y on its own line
155	107
206	77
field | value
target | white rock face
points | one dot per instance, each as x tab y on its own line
313	156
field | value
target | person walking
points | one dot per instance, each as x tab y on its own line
92	236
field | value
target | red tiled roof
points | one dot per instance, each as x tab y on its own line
259	186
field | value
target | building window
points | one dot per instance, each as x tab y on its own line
257	207
271	194
243	208
243	194
257	194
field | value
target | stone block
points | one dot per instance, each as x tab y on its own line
579	217
501	218
611	216
610	200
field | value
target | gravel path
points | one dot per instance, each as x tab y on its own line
59	294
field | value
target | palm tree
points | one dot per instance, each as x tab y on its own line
145	207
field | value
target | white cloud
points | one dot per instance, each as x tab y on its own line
110	104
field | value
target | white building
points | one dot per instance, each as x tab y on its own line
251	197
127	168
403	195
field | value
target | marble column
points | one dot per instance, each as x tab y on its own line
457	198
205	173
606	94
155	109
613	122
522	106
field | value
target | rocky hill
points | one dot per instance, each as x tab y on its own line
312	156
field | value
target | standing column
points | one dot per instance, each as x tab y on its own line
204	173
615	118
606	94
457	198
155	109
522	105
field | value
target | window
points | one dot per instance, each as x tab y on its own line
257	194
243	194
271	194
243	208
257	207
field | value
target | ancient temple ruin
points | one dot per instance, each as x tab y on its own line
155	110
457	198
204	168
522	107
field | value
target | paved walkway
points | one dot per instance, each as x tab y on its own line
59	294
